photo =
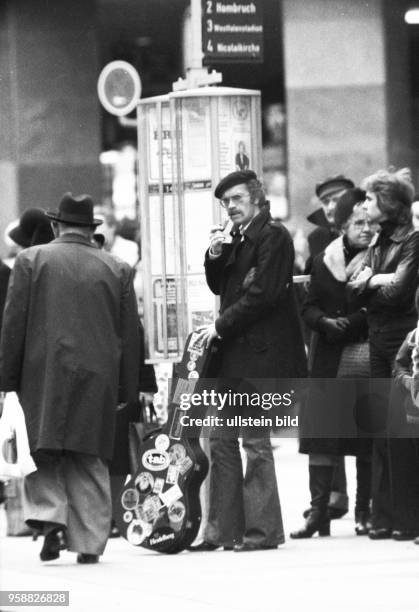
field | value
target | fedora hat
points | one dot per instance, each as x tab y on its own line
75	211
33	228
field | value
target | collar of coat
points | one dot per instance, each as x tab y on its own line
398	235
319	218
334	260
254	227
74	238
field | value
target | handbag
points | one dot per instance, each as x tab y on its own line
355	361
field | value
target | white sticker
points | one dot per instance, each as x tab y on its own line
158	485
193	374
128	516
130	499
171	495
155	460
137	532
172	475
162	442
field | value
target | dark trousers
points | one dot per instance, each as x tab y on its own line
384	346
243	508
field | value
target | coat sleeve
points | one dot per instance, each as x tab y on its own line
270	284
13	333
214	268
405	276
130	340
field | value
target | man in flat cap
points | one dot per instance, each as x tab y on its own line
328	192
259	336
69	348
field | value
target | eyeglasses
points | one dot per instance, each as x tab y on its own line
362	224
235	199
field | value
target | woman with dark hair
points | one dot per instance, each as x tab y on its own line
387	285
336	327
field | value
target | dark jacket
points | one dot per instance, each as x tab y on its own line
393	249
320	237
258	322
327	298
69	344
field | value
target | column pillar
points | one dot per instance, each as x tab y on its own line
49	112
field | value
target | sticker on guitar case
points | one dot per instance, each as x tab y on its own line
144	482
177	452
162	442
172	474
185	465
149	509
176	514
158	485
171	495
137	532
128	516
155	460
130	499
191	365
194	374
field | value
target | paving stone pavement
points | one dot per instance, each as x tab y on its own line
343	573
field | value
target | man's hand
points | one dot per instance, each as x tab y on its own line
217	238
207	334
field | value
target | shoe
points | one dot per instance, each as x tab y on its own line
52	546
87	558
362	523
207	547
250	547
401	536
315	522
381	533
416	540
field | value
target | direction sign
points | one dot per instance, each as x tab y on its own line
232	31
119	88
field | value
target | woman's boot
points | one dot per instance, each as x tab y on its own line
363	495
318	519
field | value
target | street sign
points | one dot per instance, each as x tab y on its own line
119	88
232	31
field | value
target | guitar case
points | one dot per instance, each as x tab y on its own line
159	507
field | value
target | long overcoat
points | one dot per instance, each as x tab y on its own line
258	322
326	297
69	344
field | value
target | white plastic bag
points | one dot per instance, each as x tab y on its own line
13	427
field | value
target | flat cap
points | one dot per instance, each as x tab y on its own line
333	183
233	179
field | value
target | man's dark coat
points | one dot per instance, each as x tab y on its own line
69	344
258	322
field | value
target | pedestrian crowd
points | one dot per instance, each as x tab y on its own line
72	348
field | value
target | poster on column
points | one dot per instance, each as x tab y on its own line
235	143
196	139
156	224
153	145
201	303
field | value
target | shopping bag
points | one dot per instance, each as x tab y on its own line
15	457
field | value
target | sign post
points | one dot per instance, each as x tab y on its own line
119	88
232	31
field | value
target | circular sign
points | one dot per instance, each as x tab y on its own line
119	88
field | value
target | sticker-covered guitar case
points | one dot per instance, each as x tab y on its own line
159	507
